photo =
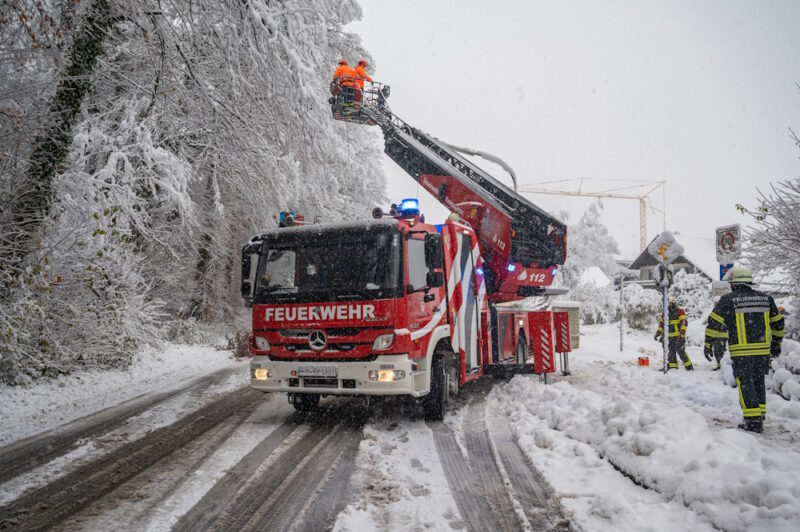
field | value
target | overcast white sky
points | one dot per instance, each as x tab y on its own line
699	94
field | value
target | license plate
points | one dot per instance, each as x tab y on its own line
316	371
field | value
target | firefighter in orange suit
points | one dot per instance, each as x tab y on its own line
753	326
361	74
344	75
343	89
676	335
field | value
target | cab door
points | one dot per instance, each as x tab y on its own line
420	312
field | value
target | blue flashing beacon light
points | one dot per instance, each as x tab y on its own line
286	219
409	207
511	267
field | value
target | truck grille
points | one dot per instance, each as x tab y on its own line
331	347
338	331
321	382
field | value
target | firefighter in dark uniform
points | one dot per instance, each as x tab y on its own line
676	334
718	348
752	325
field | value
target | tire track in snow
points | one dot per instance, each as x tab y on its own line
541	506
297	479
37	450
474	508
494	486
47	506
483	462
135	502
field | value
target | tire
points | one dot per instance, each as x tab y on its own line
433	404
305	402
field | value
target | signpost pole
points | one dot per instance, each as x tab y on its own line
665	336
621	309
665	249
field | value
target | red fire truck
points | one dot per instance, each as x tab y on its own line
397	306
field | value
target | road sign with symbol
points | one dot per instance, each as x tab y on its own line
728	243
665	249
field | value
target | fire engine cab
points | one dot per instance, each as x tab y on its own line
397	306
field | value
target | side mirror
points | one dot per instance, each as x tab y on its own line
435	279
247	289
434	254
247	262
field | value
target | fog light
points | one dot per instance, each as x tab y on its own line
261	374
386	375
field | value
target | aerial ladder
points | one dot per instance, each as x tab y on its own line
522	245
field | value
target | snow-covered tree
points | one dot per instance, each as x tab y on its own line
589	244
199	122
642	307
773	241
599	304
692	292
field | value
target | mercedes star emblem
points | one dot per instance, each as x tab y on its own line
317	340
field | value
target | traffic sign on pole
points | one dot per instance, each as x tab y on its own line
728	243
665	249
723	269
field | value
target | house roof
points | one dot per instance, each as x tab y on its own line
645	259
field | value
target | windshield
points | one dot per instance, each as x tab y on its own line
329	265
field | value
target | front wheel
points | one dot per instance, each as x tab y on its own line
433	404
305	402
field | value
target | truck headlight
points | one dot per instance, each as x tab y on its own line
383	342
261	374
387	375
261	343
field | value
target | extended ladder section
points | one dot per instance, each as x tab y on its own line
521	244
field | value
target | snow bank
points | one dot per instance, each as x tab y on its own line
27	410
673	434
785	380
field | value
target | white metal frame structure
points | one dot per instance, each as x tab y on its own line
646	188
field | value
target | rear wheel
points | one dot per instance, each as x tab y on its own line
305	402
433	404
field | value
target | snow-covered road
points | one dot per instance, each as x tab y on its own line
613	446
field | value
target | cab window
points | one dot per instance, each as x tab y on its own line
417	269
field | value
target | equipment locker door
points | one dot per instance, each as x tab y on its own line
470	311
464	301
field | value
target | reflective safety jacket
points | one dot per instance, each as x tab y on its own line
344	75
361	75
677	323
748	320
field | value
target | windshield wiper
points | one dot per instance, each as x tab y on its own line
355	295
279	290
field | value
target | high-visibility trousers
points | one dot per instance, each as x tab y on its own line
749	374
677	346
